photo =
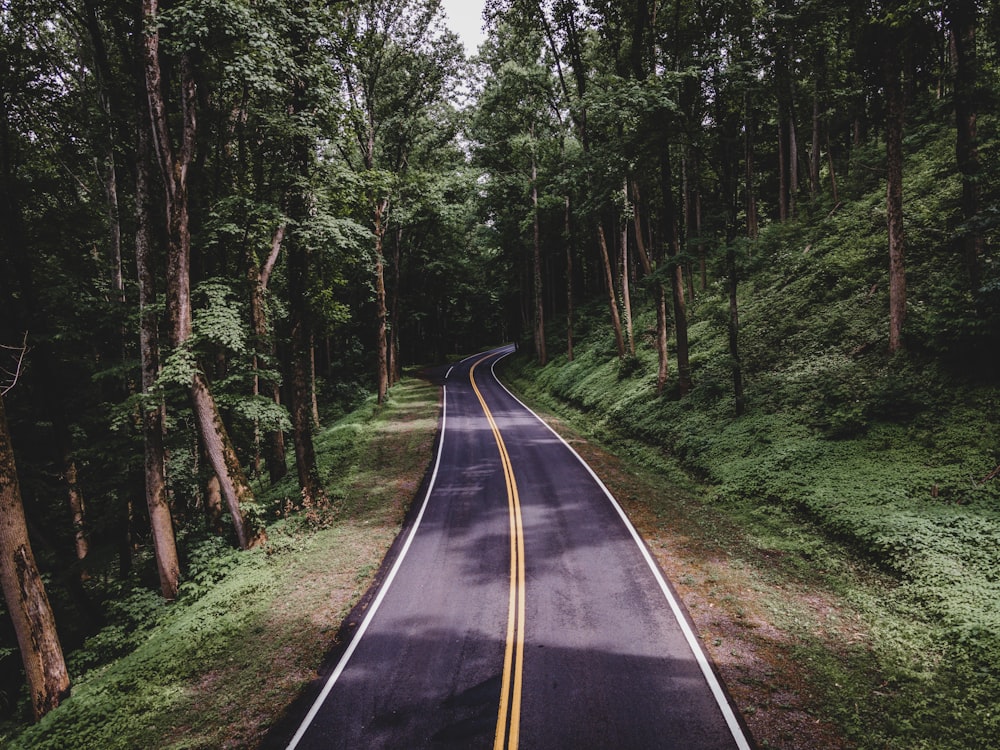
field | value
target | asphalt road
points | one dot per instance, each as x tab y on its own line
521	611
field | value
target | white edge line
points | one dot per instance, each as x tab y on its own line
713	682
342	664
448	374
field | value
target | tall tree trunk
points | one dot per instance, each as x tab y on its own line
568	239
894	193
76	506
814	156
313	386
783	212
24	592
301	379
626	287
395	367
962	24
174	166
381	312
729	186
672	246
750	175
692	215
734	329
793	164
274	450
539	316
609	280
787	168
154	460
833	172
659	293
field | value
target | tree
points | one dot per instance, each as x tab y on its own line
300	209
894	112
175	161
516	127
154	459
394	61
24	592
563	26
961	16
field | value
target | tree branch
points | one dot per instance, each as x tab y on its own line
11	376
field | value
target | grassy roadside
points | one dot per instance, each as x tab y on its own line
218	667
818	644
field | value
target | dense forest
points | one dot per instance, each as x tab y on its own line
227	222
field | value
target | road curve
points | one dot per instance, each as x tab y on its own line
521	611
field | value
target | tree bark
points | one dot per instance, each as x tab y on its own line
833	173
301	381
672	244
814	156
381	312
213	505
76	507
894	193
609	280
154	459
962	24
539	322
568	239
734	329
729	186
313	387
749	172
626	287
395	366
787	168
24	592
663	365
274	451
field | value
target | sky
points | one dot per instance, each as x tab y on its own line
465	18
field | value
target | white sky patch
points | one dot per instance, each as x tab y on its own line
465	18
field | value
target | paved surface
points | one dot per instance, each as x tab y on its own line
520	612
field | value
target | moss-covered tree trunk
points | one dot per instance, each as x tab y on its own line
24	592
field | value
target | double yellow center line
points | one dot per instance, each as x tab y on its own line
509	717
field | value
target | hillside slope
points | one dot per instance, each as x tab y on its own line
887	457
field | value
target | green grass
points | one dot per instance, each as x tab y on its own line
217	667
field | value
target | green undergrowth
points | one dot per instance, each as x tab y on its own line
882	456
830	510
218	666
